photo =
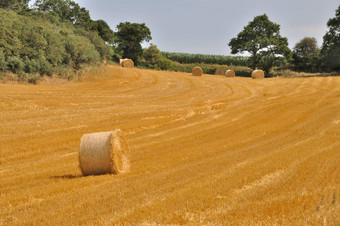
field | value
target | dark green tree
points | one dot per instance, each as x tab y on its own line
306	55
152	55
16	5
155	59
331	43
262	39
66	10
3	63
129	37
103	30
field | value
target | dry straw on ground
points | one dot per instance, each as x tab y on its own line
257	74
197	71
105	152
220	71
127	63
230	73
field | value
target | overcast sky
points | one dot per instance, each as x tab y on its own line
206	26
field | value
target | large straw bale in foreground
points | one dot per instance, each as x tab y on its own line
197	71
220	71
257	74
127	63
105	152
230	73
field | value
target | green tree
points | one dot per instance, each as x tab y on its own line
31	44
103	30
262	39
17	5
129	37
152	55
3	63
164	63
154	58
15	64
331	43
66	10
306	55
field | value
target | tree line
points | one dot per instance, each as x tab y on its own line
59	36
261	38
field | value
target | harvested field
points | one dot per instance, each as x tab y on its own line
205	150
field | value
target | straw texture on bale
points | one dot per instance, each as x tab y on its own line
230	73
257	74
220	71
197	71
102	153
127	63
121	62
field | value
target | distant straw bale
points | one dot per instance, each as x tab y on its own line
220	71
104	152
230	73
121	62
197	71
128	63
257	74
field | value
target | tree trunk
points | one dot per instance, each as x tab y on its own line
254	59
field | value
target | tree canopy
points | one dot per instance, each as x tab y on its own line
152	54
33	45
104	30
306	55
129	37
66	10
69	11
16	5
261	38
331	43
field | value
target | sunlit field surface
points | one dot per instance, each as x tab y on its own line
203	150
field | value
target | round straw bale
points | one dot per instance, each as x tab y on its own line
121	62
197	71
220	71
128	63
102	153
230	73
257	74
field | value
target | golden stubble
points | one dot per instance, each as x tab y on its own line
203	150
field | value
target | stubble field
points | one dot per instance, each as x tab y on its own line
203	150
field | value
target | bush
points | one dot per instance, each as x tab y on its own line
3	63
152	55
164	64
241	71
31	66
32	44
15	64
33	79
45	67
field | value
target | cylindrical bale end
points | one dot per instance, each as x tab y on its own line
121	62
197	71
103	153
257	74
128	63
230	73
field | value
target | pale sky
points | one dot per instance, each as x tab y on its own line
206	26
